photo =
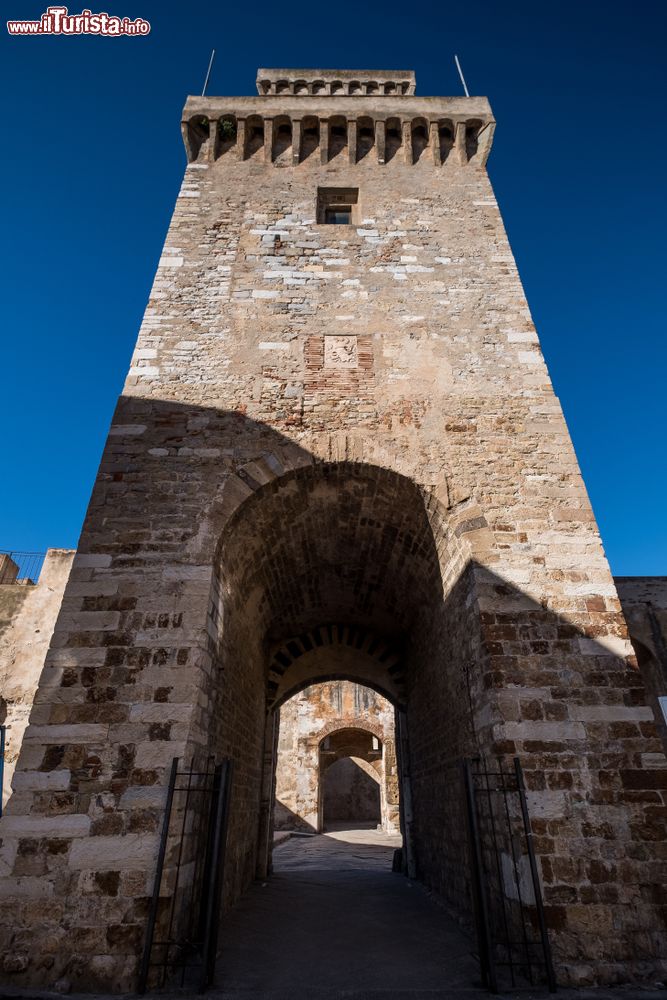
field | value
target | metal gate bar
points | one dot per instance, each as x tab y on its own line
499	830
515	864
218	842
544	936
198	840
3	738
155	898
480	895
499	870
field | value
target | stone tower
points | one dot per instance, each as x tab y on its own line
337	455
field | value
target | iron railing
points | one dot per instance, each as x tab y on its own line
489	857
183	918
512	936
20	567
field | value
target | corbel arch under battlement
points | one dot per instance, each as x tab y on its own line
209	139
419	135
195	132
253	136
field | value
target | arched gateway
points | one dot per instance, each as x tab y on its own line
338	454
334	571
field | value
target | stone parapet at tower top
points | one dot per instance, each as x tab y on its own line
318	108
336	82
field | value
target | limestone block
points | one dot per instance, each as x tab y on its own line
161	712
27	887
158	753
87	560
80	733
73	825
25	780
123	853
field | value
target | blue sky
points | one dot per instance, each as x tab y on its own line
93	160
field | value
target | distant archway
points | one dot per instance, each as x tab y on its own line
351	777
654	677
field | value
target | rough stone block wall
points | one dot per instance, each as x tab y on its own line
233	723
450	634
27	616
347	427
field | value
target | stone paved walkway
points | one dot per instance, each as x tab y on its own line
334	923
341	849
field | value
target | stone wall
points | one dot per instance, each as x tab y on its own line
350	796
644	603
336	437
325	724
27	617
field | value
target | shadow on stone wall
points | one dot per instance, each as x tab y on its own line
350	795
286	819
210	538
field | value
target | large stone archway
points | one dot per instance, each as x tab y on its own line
342	551
357	546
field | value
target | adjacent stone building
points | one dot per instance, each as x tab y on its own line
336	760
28	611
337	456
644	603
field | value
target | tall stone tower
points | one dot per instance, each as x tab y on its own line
337	455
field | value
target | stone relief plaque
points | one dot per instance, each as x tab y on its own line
340	352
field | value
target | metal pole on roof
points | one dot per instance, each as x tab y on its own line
208	72
458	66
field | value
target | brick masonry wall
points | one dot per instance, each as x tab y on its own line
321	425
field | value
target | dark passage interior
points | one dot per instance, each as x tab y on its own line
339	571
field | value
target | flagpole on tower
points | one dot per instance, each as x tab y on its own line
208	73
458	66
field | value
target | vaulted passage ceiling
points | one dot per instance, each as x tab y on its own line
331	543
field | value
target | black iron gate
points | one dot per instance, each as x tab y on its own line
183	919
513	943
509	914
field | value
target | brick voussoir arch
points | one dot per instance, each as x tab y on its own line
350	722
355	637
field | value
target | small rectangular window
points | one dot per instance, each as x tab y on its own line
337	206
338	215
